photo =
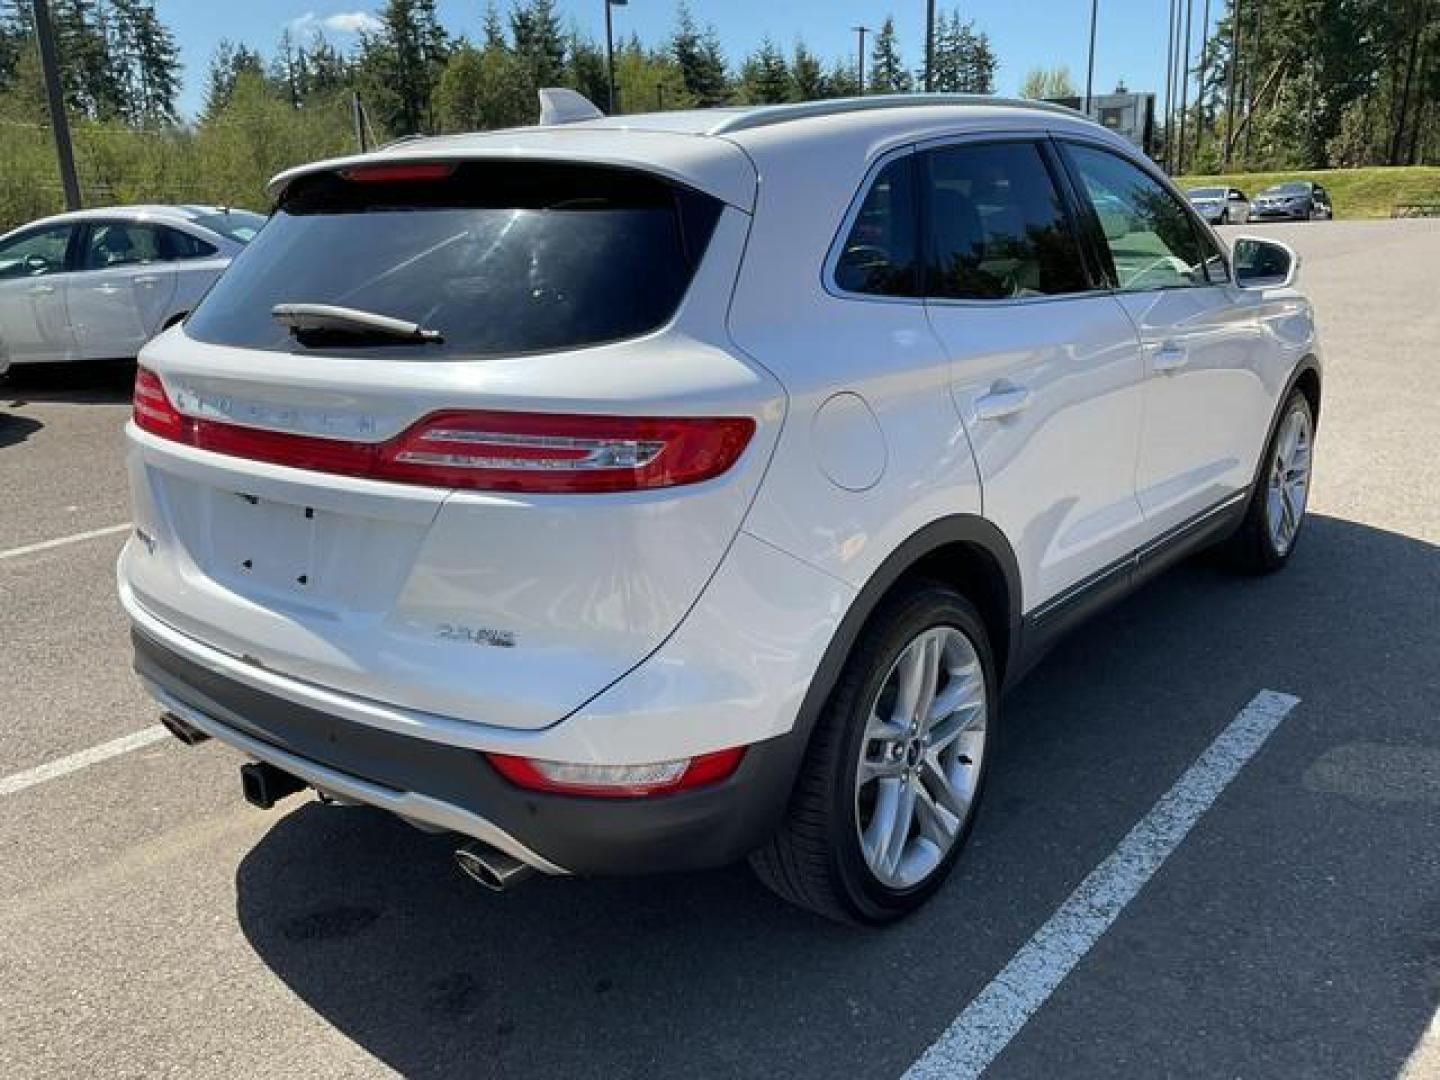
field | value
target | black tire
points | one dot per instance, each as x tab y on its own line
814	859
1251	549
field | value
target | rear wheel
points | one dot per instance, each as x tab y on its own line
889	786
1276	512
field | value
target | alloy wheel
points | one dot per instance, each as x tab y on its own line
921	757
1289	480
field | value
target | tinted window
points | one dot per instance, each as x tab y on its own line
879	254
35	253
240	225
120	243
1147	232
998	227
175	244
497	257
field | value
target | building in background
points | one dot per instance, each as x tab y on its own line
1129	114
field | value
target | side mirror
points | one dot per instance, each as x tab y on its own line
1264	264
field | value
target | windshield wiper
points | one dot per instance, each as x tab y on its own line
316	322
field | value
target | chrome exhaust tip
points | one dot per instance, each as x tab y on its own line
491	868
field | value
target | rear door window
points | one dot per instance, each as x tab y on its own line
497	257
878	257
999	229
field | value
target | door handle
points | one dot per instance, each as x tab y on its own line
40	290
146	279
1169	357
107	290
1003	400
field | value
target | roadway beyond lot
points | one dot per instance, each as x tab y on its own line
152	924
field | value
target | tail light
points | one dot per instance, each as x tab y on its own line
618	781
481	451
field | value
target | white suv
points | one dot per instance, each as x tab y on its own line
644	493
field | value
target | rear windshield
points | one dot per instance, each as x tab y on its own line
238	225
497	257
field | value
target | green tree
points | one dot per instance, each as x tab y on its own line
482	89
887	70
539	41
701	60
400	64
226	65
764	76
807	74
1047	83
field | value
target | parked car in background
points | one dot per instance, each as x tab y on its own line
554	488
98	284
1219	205
1294	200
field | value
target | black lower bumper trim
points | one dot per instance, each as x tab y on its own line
710	826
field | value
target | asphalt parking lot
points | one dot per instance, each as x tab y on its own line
153	924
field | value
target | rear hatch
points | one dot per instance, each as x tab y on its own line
496	479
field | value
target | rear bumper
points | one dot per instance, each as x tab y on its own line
1297	214
453	787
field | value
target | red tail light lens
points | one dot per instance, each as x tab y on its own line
482	451
152	409
618	781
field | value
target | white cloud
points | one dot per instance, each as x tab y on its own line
342	22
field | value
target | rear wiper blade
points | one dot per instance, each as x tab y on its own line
323	320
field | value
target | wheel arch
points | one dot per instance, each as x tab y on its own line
963	551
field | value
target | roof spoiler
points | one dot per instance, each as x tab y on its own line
560	105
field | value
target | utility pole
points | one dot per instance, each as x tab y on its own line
55	97
860	58
659	97
1169	86
929	45
610	53
357	114
1090	66
1200	85
1235	17
1184	84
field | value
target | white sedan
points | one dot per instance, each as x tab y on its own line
98	284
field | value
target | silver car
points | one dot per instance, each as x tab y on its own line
1219	205
98	284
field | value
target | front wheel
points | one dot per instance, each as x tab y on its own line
1271	528
888	790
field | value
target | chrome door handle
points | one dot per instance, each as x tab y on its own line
107	290
148	279
1001	401
40	290
1169	357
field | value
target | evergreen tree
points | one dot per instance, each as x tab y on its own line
887	70
807	74
226	66
401	63
841	80
585	70
764	77
701	60
539	42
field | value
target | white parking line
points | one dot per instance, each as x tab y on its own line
996	1015
53	770
74	538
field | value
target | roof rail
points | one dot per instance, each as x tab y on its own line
766	115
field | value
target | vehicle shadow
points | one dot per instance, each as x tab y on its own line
707	974
101	381
15	428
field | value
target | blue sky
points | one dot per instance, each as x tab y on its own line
1025	33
